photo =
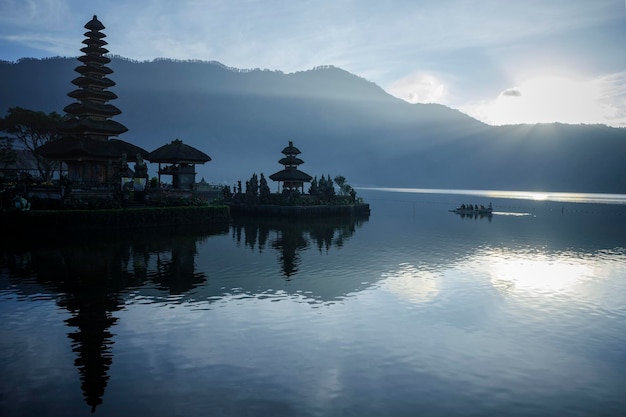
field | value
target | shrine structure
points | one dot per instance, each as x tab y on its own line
291	177
182	160
89	147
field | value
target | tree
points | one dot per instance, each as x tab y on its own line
314	190
226	194
340	180
252	189
344	188
264	190
33	129
7	153
326	188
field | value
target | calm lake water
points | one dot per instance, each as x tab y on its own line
411	311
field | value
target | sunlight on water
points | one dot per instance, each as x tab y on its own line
560	197
508	213
536	273
411	283
523	195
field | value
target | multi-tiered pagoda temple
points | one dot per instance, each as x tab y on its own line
89	148
291	177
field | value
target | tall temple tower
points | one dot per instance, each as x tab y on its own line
89	148
92	113
291	176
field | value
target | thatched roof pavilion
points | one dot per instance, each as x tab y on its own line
179	153
182	158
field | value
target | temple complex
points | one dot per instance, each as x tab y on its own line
291	177
89	148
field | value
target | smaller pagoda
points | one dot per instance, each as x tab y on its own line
291	177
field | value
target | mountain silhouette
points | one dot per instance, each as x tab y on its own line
343	124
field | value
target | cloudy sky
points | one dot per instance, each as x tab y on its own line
501	61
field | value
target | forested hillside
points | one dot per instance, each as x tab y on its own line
343	124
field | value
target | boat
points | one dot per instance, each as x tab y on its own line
474	210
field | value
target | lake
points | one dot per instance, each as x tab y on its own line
411	311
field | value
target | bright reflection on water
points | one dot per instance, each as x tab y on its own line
538	273
412	311
523	195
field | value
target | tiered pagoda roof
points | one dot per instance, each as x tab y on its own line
291	176
90	117
91	149
92	113
89	145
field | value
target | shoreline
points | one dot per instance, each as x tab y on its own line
14	224
109	220
269	210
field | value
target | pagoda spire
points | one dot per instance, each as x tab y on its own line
88	146
291	176
92	113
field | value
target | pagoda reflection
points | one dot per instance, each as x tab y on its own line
290	236
175	268
92	278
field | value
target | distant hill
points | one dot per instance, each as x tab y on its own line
343	124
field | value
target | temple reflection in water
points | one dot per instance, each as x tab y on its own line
291	236
92	279
253	318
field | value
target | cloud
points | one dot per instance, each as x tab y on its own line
512	93
548	99
419	88
301	35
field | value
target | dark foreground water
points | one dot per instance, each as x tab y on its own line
412	311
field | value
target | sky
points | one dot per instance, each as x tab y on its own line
500	61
